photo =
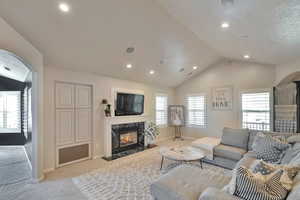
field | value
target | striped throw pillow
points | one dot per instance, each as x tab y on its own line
249	187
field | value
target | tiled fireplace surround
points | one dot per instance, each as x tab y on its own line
123	133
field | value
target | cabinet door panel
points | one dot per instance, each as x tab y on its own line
64	95
65	127
83	96
83	125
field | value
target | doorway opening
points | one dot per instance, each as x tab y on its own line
15	120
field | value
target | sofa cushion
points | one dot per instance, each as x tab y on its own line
216	194
235	137
252	135
229	152
294	139
268	148
186	183
288	156
295	192
247	161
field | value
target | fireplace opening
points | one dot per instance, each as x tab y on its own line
128	139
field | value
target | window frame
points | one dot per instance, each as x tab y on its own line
167	113
19	128
271	102
205	126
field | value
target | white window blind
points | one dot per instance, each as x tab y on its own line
161	104
10	112
196	111
256	111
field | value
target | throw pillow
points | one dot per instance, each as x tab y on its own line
289	172
268	148
251	187
294	139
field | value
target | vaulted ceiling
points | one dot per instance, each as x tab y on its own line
167	35
268	30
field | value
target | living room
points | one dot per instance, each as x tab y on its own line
226	65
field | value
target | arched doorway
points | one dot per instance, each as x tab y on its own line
287	104
17	134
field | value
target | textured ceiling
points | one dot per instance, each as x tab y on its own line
94	37
268	30
18	71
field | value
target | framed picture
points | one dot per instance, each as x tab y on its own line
176	115
222	98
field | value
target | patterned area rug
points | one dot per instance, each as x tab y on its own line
129	178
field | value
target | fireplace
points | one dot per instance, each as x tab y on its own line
127	138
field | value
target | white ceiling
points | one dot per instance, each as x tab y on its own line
268	30
94	36
18	70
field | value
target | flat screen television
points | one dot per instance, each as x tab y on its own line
129	104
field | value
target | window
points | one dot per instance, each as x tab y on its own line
10	112
196	111
161	104
256	112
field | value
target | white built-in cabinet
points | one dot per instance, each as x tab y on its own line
73	113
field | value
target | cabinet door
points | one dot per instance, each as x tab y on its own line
83	125
64	95
65	126
83	96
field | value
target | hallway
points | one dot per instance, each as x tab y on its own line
15	169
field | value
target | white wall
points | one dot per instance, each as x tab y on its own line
282	71
12	41
102	90
240	75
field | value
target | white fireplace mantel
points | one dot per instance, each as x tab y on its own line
109	121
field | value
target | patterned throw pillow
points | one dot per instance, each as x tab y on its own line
289	172
249	187
268	148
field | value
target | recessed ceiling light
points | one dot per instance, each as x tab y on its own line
151	72
129	66
246	56
225	25
64	7
195	67
7	68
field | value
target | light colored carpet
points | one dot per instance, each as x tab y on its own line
129	178
14	166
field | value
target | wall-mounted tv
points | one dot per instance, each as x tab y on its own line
129	104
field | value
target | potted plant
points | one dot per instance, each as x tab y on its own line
107	108
151	132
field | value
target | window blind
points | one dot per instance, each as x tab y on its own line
10	112
196	111
256	111
161	105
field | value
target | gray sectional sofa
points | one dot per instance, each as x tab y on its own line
189	183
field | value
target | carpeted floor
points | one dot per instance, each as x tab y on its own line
125	178
130	178
14	167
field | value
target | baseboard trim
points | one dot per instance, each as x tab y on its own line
48	170
189	138
97	157
38	180
28	160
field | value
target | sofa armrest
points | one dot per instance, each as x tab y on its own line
216	194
